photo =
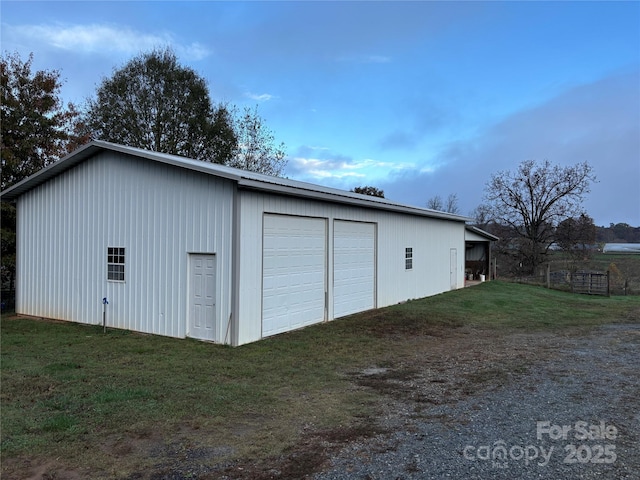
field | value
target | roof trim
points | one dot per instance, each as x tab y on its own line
482	233
345	198
244	179
93	148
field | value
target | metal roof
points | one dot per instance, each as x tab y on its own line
243	178
621	248
482	233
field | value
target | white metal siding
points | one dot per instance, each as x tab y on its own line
354	257
158	213
474	237
294	278
431	240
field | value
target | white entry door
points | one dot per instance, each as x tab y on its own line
202	296
294	265
453	272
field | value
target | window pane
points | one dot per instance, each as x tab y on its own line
115	263
115	272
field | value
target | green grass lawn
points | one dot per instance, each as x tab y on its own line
69	391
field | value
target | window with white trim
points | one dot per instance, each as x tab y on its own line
408	258
115	264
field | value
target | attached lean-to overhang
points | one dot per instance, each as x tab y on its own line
477	234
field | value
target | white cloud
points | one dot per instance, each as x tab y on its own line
319	169
369	164
342	168
428	169
324	174
260	97
194	51
104	38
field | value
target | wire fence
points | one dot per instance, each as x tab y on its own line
584	282
587	275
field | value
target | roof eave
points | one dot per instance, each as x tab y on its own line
347	198
93	148
246	180
49	171
482	233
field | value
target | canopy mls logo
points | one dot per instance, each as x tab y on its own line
500	453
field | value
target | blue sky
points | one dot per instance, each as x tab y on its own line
418	98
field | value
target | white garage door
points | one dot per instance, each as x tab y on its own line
354	257
294	273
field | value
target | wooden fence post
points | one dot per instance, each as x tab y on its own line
549	275
571	280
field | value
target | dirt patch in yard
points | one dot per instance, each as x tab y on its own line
441	367
445	368
436	369
418	388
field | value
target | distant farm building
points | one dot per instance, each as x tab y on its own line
621	248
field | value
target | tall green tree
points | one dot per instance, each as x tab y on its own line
369	190
37	129
534	199
8	245
157	104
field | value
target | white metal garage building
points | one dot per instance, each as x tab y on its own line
181	247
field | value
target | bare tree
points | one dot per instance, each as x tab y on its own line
256	150
435	203
534	199
576	236
481	216
449	206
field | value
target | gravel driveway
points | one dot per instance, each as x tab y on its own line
573	413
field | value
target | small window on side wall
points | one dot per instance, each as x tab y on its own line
408	258
115	264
